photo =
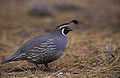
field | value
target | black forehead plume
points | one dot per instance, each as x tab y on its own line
73	21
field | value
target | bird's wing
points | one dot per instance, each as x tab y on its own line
29	45
34	42
37	46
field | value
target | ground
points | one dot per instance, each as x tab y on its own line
86	54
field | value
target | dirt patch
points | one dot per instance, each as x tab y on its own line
85	56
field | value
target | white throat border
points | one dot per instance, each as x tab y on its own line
63	31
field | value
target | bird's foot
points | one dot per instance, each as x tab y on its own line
45	68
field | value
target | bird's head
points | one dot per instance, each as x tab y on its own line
65	28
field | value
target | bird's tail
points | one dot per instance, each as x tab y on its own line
13	57
5	60
10	58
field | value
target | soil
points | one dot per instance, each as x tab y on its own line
87	54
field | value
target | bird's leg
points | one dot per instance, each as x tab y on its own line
47	67
37	67
41	68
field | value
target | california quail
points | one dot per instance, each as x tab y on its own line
45	48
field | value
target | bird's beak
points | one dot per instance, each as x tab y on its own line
70	29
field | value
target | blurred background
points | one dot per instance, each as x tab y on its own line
99	26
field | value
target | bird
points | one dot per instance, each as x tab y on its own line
43	49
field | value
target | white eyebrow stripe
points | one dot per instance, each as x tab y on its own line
63	26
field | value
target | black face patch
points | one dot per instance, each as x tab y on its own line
65	30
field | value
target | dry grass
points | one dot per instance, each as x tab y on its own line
85	56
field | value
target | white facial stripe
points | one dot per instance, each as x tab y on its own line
63	32
63	26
